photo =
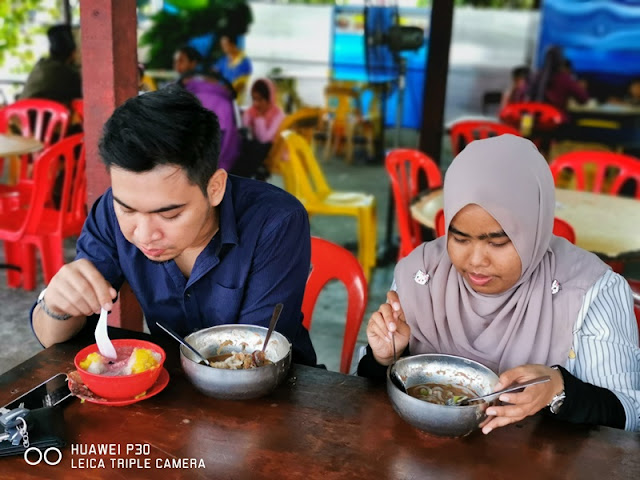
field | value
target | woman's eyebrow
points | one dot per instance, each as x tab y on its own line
484	236
157	210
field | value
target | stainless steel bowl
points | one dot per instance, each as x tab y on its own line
441	420
236	384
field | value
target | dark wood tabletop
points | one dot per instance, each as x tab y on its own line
316	425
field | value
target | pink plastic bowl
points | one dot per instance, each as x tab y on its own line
122	386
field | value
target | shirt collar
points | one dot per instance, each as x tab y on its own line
228	226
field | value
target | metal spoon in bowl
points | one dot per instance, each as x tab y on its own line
181	340
259	356
395	378
462	401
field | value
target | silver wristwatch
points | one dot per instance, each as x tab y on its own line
45	309
557	400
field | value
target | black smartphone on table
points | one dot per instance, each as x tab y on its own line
49	393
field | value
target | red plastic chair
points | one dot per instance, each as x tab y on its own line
544	116
45	219
561	228
405	166
466	131
608	171
333	262
44	120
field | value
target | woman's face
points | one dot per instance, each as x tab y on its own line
481	251
259	103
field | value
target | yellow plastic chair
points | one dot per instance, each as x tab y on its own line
342	112
305	122
304	179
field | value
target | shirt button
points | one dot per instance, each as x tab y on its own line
188	295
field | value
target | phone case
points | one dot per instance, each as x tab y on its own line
45	427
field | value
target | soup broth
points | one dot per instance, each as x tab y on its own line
439	393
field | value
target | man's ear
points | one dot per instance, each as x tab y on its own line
216	187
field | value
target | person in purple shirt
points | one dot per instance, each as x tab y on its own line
198	247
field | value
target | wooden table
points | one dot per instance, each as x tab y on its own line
604	224
12	146
316	425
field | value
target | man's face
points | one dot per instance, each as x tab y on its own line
481	252
161	212
182	64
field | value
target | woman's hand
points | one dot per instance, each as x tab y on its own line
528	402
388	319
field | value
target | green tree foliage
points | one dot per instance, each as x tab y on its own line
169	31
15	35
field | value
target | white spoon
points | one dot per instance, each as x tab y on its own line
102	337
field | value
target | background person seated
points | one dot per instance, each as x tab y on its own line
555	83
56	77
632	97
216	95
517	91
262	119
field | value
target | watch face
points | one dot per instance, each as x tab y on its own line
556	403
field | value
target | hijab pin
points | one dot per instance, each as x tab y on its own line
421	278
555	287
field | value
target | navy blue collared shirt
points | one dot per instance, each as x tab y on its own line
260	256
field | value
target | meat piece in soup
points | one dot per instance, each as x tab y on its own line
440	394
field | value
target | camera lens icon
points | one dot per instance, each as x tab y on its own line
47	456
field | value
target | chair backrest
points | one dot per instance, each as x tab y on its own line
42	119
304	122
561	228
301	172
59	184
466	131
544	116
600	172
341	101
333	262
405	168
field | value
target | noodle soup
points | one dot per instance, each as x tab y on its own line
440	394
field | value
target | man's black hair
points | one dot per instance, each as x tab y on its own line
520	72
61	42
166	127
191	53
232	37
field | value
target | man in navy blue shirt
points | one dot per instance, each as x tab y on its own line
198	247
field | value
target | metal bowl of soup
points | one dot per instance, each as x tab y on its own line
215	343
432	378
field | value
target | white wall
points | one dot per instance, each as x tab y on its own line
485	46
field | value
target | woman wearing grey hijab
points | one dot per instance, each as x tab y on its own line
501	289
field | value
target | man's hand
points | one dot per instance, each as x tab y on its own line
78	289
388	319
526	403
